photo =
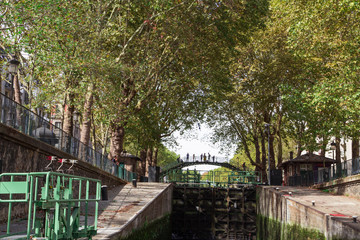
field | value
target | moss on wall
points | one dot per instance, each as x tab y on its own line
157	230
270	229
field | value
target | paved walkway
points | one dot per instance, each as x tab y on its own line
335	205
124	204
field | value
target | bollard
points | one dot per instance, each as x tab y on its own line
104	193
134	182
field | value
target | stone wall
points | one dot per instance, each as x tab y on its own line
159	207
288	213
21	153
348	186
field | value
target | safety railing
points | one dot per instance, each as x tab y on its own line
24	120
212	178
58	205
325	174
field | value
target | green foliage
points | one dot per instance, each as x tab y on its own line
157	230
165	156
271	229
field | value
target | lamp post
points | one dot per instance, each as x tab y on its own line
267	127
333	147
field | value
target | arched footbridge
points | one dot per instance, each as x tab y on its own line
177	173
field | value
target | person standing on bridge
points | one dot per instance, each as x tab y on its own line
209	157
213	158
187	157
201	157
194	157
204	157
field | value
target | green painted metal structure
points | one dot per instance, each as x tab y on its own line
213	178
55	201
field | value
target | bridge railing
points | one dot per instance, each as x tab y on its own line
213	178
24	120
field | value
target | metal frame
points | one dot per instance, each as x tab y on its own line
55	212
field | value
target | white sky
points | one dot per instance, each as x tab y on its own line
197	141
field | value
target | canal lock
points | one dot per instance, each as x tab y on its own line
214	213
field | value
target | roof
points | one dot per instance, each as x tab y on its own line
125	155
308	158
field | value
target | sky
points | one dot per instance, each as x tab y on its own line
197	141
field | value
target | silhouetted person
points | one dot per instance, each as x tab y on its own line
194	157
204	157
213	158
187	157
201	157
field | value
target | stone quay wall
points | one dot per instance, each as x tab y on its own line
20	153
287	213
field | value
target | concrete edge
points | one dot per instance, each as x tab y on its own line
118	234
354	179
347	226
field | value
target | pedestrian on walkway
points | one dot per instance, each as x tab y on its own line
213	158
201	157
187	157
209	157
194	157
204	157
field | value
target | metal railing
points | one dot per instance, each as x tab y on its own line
335	171
213	178
24	120
57	204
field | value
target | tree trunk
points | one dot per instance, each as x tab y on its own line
338	154
280	150
148	160
323	146
86	121
143	162
355	148
257	154
17	98
17	94
68	115
272	152
263	157
156	150
117	140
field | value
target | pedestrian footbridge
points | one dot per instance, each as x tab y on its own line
185	173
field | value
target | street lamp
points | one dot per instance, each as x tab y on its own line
13	66
267	126
333	148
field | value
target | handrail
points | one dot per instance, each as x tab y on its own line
26	121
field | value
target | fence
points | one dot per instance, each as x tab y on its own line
24	120
213	178
335	171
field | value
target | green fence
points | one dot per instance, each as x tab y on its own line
55	202
212	178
